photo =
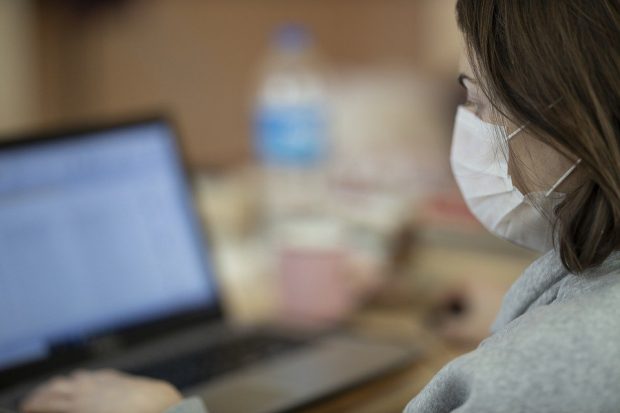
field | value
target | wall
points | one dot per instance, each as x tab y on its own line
197	59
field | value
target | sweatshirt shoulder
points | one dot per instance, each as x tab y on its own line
583	322
564	356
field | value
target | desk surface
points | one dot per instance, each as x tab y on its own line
437	257
391	393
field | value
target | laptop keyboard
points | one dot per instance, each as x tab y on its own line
197	367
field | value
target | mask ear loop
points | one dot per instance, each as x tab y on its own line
516	131
562	178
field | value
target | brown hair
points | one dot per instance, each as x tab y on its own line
530	54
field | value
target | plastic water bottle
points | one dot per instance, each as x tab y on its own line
291	126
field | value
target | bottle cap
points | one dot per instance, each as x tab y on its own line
293	37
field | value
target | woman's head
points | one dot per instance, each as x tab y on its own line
555	67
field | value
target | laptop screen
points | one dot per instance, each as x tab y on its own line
97	232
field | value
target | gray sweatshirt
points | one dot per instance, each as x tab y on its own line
555	347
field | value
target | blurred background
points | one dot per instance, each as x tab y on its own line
69	60
317	133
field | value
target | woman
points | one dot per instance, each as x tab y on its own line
542	119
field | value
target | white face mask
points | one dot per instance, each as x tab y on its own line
481	172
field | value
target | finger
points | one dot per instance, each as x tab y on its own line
107	373
79	373
84	378
45	402
58	385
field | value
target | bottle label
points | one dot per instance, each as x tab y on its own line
291	135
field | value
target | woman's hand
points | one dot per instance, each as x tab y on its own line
103	391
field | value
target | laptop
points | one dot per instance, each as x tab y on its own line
103	264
